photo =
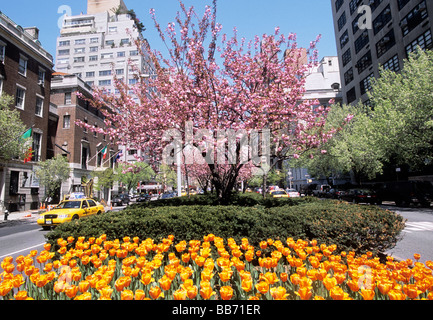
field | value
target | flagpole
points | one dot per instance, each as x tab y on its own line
88	161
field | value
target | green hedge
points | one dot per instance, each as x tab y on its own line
350	227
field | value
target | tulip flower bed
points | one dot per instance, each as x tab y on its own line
211	268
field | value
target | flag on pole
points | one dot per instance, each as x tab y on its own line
105	152
119	156
27	134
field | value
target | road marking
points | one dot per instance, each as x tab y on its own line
26	249
418	226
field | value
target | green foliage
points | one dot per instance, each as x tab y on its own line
351	227
52	173
104	179
131	174
11	129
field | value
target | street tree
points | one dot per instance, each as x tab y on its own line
52	173
218	83
11	131
403	111
131	174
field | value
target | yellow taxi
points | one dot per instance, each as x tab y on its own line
279	194
70	210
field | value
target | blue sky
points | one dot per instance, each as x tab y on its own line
306	18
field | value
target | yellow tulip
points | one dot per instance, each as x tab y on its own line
206	291
262	287
304	293
126	295
156	293
279	293
180	294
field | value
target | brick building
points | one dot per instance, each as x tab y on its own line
83	148
25	73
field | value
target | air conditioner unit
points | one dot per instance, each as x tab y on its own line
422	6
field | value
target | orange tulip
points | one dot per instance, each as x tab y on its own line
262	287
146	278
279	293
225	275
396	295
105	292
247	285
304	293
21	295
126	295
165	283
180	294
206	291
226	293
71	291
5	288
337	293
156	293
353	285
139	295
329	282
83	286
367	294
417	256
411	291
284	276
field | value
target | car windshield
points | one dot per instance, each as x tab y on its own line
69	205
292	190
278	192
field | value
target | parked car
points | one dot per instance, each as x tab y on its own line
361	196
293	193
335	193
143	198
70	210
279	194
120	200
321	190
405	193
167	195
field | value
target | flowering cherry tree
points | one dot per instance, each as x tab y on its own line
220	85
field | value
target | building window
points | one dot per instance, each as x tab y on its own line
361	41
120	72
355	23
348	76
93	58
414	18
344	39
424	41
90	74
347	57
353	5
386	43
36	147
64	43
402	3
94	40
351	95
121	54
392	64
95	134
84	156
105	83
338	4
105	73
107	56
20	97
2	52
41	76
374	4
80	50
90	83
382	19
364	62
112	29
22	67
66	121
39	106
80	41
342	21
68	98
64	52
366	84
133	81
134	53
79	59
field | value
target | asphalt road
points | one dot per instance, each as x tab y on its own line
417	237
20	237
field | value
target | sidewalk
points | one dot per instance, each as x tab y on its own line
31	215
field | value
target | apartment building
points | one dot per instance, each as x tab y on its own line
385	38
100	45
25	74
82	147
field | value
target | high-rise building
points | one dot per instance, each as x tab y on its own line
100	44
373	33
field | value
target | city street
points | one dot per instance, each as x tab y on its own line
20	237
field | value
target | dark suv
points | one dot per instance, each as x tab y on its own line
120	200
